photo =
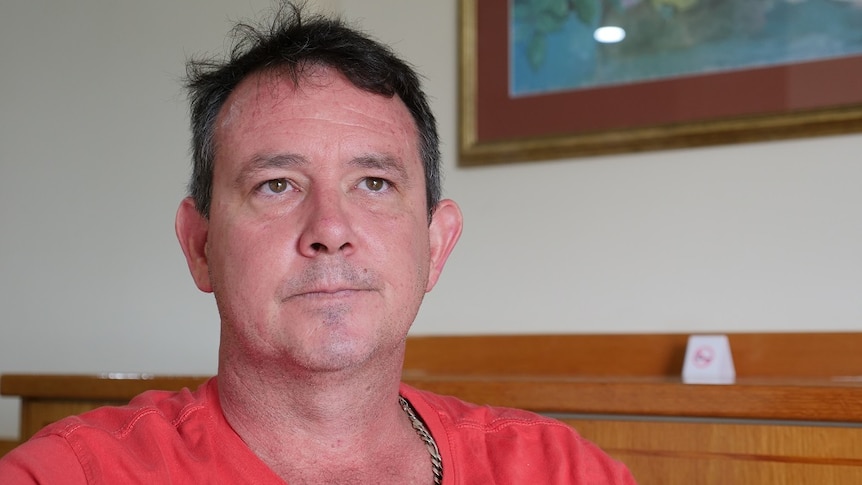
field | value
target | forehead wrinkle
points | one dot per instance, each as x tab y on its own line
260	163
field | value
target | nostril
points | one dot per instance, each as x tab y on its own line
318	247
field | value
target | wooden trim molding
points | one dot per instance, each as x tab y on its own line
807	401
108	387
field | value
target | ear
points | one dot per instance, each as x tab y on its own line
445	229
192	229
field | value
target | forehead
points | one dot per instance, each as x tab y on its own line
268	110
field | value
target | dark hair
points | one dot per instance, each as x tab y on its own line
289	45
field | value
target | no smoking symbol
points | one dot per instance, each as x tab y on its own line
703	356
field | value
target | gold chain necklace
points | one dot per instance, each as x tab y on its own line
422	431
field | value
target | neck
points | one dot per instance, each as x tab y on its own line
273	395
295	416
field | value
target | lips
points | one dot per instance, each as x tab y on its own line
318	281
328	292
332	279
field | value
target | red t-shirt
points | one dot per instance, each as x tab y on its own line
183	438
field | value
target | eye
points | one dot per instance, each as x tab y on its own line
275	186
374	184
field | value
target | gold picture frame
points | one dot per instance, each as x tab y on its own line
483	45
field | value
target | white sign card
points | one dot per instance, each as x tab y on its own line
708	360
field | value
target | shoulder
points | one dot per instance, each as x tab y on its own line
458	414
49	459
151	411
488	444
87	447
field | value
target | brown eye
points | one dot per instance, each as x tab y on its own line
277	186
375	184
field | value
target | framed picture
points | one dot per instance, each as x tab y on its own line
535	83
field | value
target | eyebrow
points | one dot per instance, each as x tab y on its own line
384	162
260	163
379	161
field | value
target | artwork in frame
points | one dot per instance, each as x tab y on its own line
536	84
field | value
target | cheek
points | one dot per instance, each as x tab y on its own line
401	232
246	261
410	254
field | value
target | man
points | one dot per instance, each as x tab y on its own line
315	218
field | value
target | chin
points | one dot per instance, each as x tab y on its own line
343	351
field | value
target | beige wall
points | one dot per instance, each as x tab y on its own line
93	160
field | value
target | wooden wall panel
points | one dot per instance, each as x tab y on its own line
669	453
706	470
626	391
6	446
797	355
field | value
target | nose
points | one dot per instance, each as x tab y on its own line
327	226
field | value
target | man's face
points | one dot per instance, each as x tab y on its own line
318	247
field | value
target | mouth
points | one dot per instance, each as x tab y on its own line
318	282
327	293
